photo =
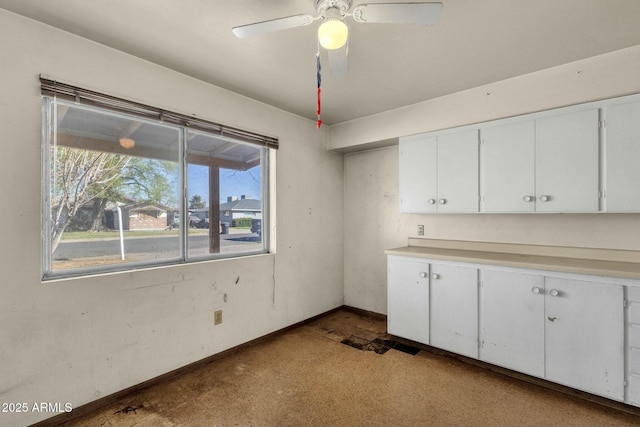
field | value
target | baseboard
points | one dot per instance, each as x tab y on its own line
119	395
362	312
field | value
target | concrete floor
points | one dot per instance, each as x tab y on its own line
307	377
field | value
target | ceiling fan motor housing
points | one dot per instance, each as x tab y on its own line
333	9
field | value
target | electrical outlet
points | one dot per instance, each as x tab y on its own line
420	230
217	317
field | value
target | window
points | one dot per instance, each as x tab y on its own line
123	191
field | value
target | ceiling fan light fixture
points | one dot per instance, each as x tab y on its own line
127	143
333	34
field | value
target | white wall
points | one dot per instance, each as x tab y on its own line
372	219
78	340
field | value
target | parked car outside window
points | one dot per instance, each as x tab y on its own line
256	226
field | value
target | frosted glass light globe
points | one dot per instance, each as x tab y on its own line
332	34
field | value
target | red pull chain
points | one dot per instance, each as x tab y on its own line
319	122
319	69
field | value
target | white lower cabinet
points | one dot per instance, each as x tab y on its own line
408	298
564	330
584	335
554	326
512	319
454	309
633	346
433	304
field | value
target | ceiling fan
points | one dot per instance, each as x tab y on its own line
333	32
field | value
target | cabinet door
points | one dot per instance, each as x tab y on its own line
512	324
408	298
454	309
633	345
622	154
458	172
508	168
584	335
567	162
418	175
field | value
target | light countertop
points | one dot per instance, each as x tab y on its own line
598	262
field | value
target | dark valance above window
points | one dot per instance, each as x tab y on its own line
68	92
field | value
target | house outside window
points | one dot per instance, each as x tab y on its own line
123	192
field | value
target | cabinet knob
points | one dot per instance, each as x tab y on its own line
443	201
423	274
554	292
435	276
432	201
528	198
535	290
545	198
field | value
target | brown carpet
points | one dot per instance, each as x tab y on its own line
307	377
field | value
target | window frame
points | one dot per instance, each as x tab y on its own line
49	133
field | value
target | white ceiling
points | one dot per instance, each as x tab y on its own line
475	42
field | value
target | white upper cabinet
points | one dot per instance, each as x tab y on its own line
567	162
508	178
439	173
458	172
560	160
622	166
418	175
545	165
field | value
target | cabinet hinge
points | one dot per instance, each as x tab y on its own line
624	303
602	124
625	383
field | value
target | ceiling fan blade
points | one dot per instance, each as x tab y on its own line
255	29
338	61
398	13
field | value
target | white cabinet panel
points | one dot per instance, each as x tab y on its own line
556	156
567	159
633	393
633	345
439	174
458	172
454	309
622	154
418	175
508	172
408	298
561	328
512	321
584	333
